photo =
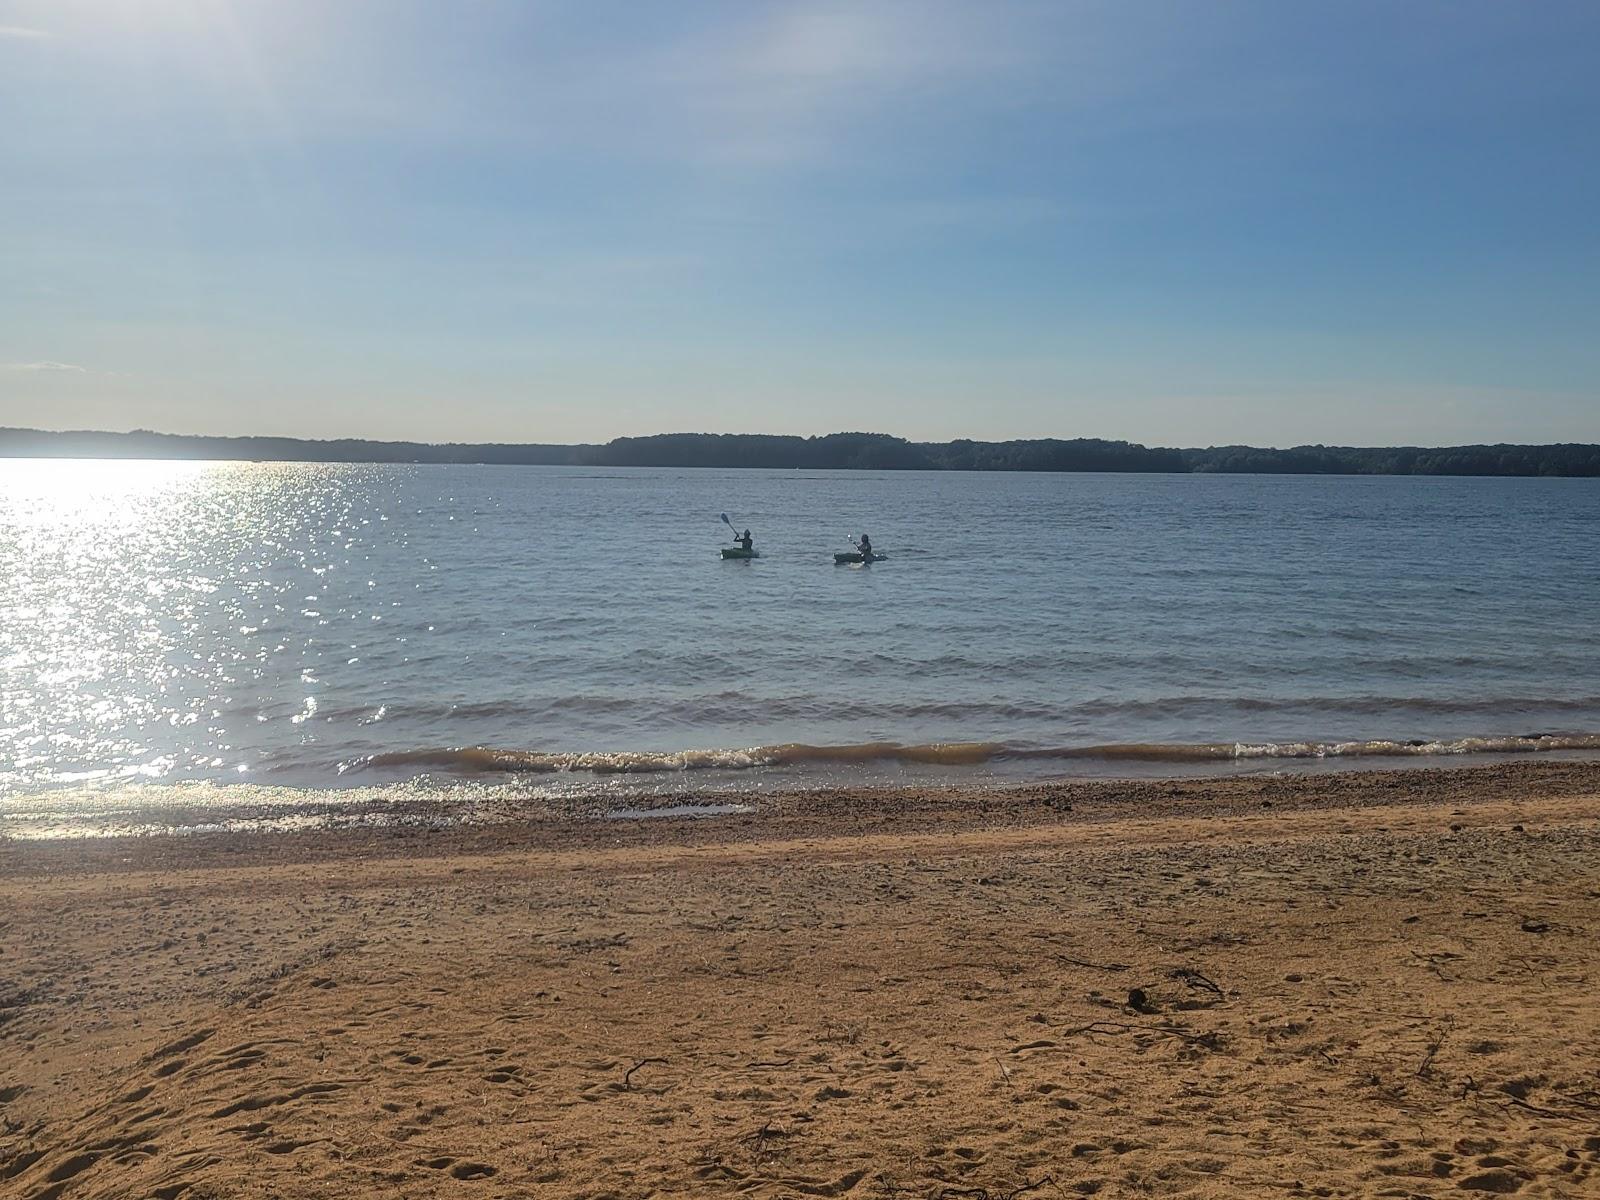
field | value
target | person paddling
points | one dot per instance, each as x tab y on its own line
866	547
742	540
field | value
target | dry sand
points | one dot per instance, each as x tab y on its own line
1352	985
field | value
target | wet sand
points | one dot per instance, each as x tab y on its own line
1373	984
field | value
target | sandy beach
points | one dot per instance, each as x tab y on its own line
1365	984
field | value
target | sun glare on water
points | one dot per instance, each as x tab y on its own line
99	619
38	494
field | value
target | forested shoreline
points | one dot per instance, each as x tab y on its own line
837	451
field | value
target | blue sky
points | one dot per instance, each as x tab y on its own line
1179	223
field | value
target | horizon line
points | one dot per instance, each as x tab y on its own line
7	431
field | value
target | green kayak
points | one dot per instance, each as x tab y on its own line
857	557
739	552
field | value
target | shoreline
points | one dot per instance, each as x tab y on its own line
806	766
1357	983
389	822
138	812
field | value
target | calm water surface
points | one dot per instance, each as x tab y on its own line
340	625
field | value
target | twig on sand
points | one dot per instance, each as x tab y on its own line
1039	1045
1546	1112
759	1138
1210	1040
1427	1059
1005	1073
1196	980
1588	1106
627	1076
783	1062
1094	1027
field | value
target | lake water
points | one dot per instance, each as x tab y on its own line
349	625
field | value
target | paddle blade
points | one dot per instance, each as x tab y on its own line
727	522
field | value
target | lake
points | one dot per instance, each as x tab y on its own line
340	625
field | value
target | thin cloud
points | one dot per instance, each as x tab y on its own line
47	366
794	86
20	31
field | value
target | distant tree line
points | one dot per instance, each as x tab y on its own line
141	443
844	451
1566	458
838	451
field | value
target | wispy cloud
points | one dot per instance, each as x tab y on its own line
774	85
21	31
791	85
47	365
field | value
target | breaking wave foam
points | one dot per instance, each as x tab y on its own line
483	759
486	760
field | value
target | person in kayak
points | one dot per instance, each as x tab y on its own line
744	541
866	546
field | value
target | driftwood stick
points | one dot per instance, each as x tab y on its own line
1546	1112
627	1076
1196	980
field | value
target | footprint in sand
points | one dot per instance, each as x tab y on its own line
459	1168
1503	1182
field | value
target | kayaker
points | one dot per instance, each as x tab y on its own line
866	546
744	541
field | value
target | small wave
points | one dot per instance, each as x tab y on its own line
479	759
1179	752
486	760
